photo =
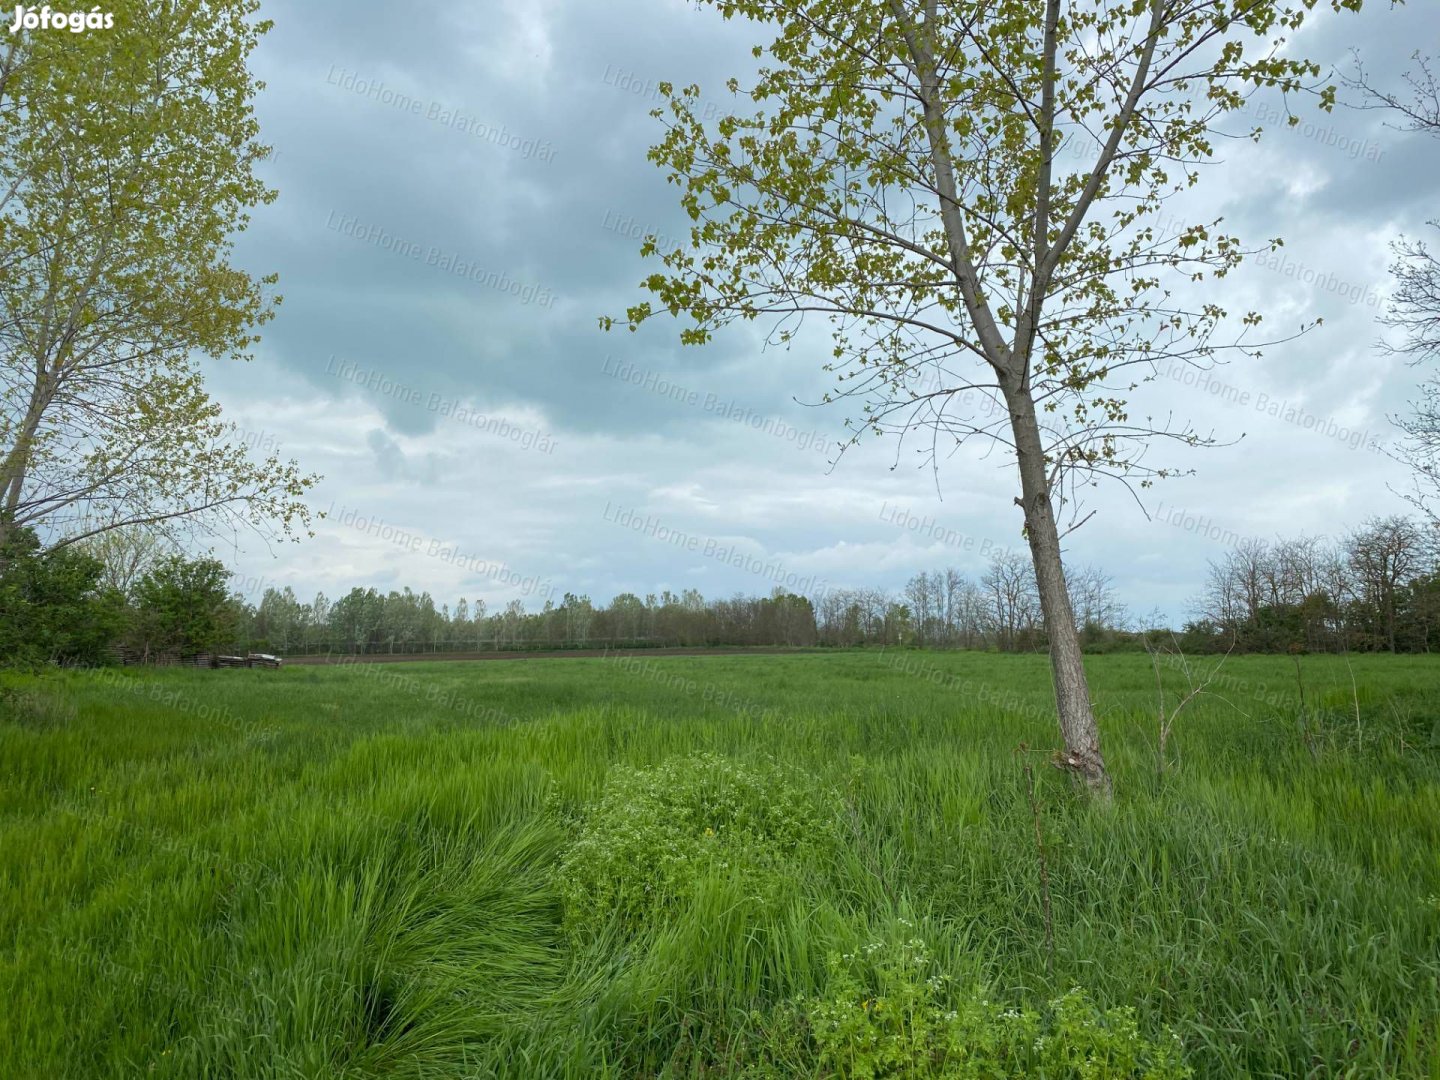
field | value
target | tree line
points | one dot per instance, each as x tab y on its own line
1374	589
127	595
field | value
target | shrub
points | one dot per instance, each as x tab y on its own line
654	833
52	608
886	1015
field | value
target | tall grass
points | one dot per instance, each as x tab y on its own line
324	872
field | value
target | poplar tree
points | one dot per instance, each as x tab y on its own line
969	193
127	161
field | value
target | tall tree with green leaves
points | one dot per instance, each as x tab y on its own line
126	169
182	605
969	193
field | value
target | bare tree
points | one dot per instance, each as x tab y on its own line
921	593
1419	104
1302	569
1415	311
875	604
1009	584
973	614
951	587
1414	308
1096	605
1237	585
125	555
1220	602
830	610
1384	553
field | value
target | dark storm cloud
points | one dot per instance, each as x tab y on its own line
452	223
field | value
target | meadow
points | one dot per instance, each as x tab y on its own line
829	865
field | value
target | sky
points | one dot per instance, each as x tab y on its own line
462	192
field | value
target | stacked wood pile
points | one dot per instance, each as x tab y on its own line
126	656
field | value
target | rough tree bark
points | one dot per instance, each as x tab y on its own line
1078	728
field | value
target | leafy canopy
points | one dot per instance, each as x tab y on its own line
976	180
126	168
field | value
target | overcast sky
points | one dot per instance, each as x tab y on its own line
462	189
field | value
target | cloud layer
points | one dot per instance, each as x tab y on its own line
461	195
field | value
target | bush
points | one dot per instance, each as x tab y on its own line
52	608
886	1015
654	833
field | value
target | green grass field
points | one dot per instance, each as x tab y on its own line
523	869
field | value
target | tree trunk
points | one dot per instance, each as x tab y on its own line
15	462
1072	690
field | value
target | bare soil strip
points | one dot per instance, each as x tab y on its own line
537	654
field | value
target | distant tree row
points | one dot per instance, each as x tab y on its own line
1376	589
940	609
368	621
127	594
945	609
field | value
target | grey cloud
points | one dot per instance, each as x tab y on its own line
566	221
